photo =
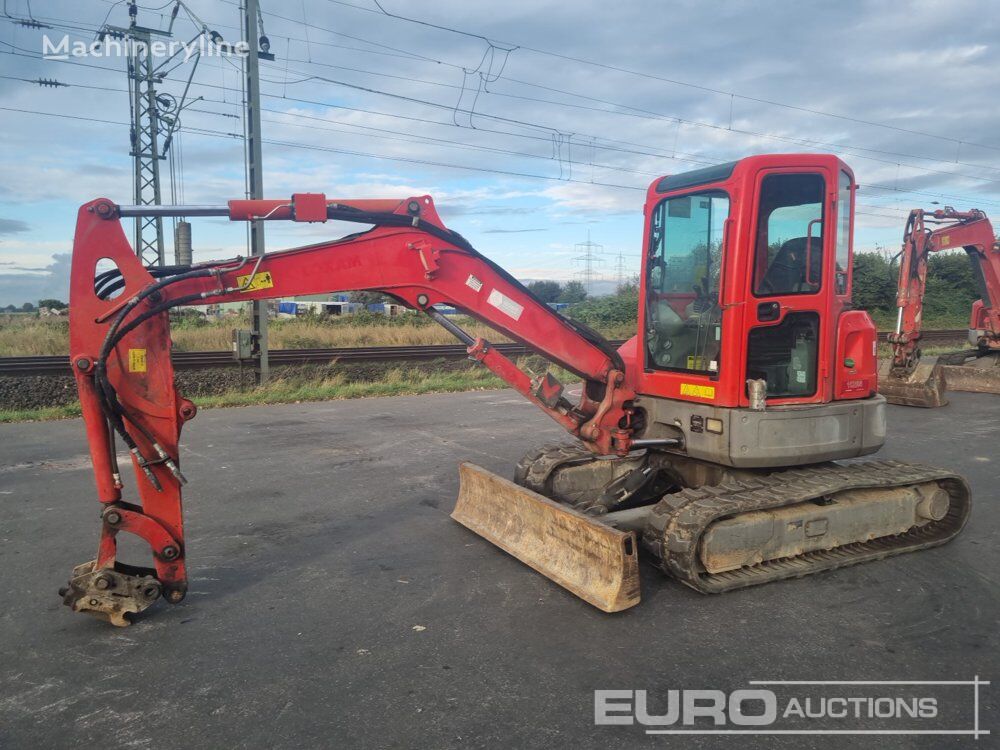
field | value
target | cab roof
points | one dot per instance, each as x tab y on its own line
722	172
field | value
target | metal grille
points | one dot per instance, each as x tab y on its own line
145	151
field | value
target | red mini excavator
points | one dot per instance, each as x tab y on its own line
711	437
909	380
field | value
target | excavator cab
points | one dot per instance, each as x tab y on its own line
746	312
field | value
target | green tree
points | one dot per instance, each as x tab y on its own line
52	304
27	307
874	282
611	310
951	287
546	291
628	286
573	291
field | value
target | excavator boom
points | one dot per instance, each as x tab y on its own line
120	345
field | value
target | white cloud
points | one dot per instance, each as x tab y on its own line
586	198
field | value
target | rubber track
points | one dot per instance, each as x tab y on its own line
534	470
679	520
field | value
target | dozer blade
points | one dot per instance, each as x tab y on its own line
924	386
593	560
981	375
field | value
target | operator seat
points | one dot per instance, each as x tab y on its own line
787	272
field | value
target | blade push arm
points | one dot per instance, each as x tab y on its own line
120	351
970	230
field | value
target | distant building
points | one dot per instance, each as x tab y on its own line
327	297
390	309
294	308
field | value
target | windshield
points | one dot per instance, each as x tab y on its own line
683	317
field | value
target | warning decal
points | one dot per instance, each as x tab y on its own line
698	391
260	281
137	360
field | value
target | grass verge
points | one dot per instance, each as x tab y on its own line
398	382
67	411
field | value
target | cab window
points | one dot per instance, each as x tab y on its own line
683	316
788	258
843	234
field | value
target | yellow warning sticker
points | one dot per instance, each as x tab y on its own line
260	281
695	363
698	391
137	360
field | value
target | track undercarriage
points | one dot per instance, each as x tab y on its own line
717	529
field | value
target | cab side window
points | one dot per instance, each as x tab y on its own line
843	270
788	258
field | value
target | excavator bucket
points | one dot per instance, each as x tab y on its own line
981	375
592	560
923	386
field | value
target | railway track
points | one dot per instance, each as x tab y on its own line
57	365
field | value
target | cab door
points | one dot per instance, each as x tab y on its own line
791	283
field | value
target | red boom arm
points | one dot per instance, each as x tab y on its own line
120	352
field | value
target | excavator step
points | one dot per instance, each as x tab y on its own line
596	562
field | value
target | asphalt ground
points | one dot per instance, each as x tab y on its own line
333	602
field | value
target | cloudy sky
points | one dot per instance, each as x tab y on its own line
543	122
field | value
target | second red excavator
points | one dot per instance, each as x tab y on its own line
910	379
711	436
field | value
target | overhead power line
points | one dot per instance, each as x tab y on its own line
639	112
599	141
638	150
788	139
537	126
647	114
673	81
423	162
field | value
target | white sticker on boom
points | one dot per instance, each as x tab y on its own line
505	304
473	283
